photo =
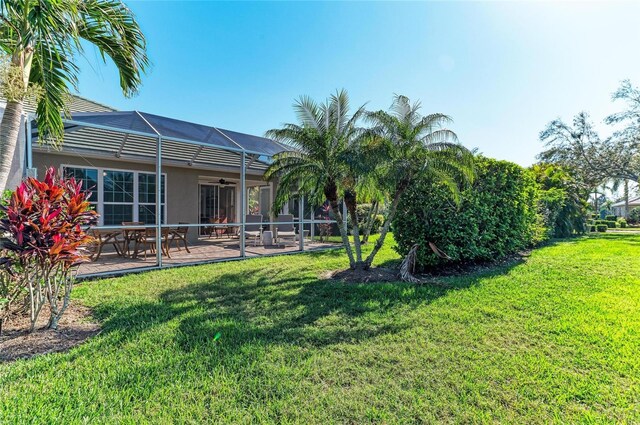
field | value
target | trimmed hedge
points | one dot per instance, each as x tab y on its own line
611	217
608	223
601	227
497	216
622	223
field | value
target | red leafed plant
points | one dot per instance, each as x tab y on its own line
43	229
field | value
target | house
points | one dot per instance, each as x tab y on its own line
619	208
211	178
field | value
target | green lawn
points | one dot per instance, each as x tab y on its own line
555	339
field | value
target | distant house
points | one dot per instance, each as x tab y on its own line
619	208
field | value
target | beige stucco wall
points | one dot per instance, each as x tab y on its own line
182	182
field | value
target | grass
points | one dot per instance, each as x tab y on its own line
554	339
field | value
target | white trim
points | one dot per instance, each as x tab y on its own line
135	205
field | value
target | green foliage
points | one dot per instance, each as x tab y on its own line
497	216
622	223
601	227
610	224
324	162
43	40
592	228
338	160
363	212
561	202
611	218
43	239
634	216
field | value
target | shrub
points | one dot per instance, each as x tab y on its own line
611	218
592	228
622	223
634	216
608	223
561	204
363	211
602	227
43	237
497	216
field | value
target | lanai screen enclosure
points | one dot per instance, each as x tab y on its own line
157	149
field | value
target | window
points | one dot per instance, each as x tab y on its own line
89	177
147	197
121	195
117	187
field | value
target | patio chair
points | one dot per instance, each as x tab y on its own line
147	240
218	230
106	237
285	230
253	228
179	234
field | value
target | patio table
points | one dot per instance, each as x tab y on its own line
104	237
131	234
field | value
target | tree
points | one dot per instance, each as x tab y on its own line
561	201
324	159
623	148
41	39
577	149
409	146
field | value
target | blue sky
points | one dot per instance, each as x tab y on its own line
501	69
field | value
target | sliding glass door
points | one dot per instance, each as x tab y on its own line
217	203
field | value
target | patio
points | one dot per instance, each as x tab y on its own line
204	250
161	174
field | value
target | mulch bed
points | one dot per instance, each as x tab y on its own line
373	275
75	327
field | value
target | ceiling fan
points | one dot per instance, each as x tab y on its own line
224	182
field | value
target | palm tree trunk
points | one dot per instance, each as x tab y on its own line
351	201
373	212
9	132
385	227
331	193
10	125
335	207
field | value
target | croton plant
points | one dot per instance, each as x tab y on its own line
44	234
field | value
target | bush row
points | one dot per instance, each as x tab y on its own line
507	208
497	216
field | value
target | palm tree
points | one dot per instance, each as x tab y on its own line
323	161
409	146
41	39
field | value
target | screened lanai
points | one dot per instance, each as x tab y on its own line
214	202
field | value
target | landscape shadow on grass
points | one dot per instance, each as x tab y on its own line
256	306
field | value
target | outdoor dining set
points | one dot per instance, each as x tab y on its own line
135	240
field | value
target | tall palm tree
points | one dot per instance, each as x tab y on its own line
409	146
42	39
323	161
